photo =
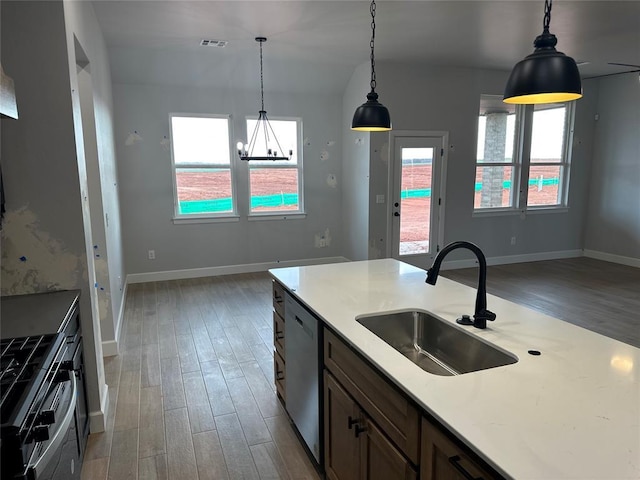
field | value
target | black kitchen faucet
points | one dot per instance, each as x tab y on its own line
481	314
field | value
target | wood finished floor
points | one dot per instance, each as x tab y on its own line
600	296
191	396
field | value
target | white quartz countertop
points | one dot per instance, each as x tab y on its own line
571	413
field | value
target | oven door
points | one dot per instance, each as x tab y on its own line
57	458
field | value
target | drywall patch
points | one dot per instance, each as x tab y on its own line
324	155
165	143
133	138
332	180
331	143
306	142
102	285
323	240
359	141
47	264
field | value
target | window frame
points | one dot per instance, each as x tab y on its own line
521	164
279	214
209	216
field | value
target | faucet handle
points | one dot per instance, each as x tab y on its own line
480	318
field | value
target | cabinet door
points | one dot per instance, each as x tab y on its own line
381	459
442	459
341	447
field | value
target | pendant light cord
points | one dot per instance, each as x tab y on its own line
261	78
372	43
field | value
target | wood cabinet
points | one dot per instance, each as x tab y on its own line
371	430
444	459
278	340
355	448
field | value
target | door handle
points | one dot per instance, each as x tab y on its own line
396	214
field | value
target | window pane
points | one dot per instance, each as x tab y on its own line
493	187
547	135
544	185
415	200
496	130
274	189
200	140
286	134
204	190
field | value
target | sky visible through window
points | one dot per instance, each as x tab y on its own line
200	140
548	134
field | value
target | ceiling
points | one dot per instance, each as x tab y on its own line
314	46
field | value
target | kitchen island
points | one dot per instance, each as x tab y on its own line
571	412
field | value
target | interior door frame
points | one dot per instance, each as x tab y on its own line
443	139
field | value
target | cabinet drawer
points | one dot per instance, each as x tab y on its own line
278	374
444	458
278	298
278	333
383	402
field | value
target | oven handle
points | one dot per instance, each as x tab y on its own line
60	434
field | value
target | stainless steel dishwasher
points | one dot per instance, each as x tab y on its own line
301	372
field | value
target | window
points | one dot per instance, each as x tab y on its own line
276	186
201	158
522	160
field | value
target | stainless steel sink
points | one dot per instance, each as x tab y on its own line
434	345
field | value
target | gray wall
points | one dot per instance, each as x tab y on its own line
147	191
613	220
440	98
48	213
355	169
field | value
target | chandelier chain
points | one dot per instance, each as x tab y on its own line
372	43
547	15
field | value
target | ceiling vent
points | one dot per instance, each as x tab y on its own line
213	43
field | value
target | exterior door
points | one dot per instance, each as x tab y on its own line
417	205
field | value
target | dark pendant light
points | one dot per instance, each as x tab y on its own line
372	116
263	129
545	76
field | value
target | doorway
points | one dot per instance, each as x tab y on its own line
417	200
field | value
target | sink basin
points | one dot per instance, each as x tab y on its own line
434	345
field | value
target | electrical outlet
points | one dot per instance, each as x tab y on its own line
513	240
152	254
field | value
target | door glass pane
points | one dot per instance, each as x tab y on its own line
274	189
415	200
204	190
493	187
544	183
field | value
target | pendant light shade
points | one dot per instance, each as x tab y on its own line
372	116
545	76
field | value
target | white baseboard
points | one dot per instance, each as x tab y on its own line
610	257
98	420
226	270
527	257
110	347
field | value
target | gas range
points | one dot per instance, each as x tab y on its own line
43	423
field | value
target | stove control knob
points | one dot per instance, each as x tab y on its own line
46	417
40	433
